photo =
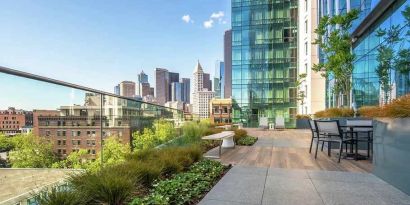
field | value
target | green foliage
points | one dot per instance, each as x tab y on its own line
114	152
162	131
6	143
335	112
193	131
31	152
185	188
75	160
336	45
247	141
239	134
58	196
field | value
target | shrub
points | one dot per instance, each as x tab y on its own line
399	108
193	131
335	112
239	134
247	141
58	196
162	131
370	111
303	117
185	188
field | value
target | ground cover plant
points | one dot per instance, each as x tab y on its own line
242	138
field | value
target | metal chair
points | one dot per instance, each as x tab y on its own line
330	132
279	123
313	129
368	138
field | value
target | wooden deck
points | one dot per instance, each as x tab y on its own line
288	149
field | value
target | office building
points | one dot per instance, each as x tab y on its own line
374	15
186	90
162	84
226	89
127	89
312	90
219	79
201	95
264	61
207	81
142	84
117	90
177	89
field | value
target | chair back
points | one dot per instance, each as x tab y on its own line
312	125
328	127
360	123
280	122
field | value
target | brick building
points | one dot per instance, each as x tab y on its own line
221	111
12	120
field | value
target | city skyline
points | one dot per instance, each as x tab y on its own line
108	46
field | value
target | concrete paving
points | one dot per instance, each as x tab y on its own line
291	176
276	186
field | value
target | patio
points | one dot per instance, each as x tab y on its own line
278	169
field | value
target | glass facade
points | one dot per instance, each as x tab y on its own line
264	61
366	86
365	80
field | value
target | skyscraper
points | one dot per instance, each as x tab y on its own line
142	81
162	85
202	96
264	61
207	81
187	90
127	89
227	88
177	89
219	79
173	78
117	90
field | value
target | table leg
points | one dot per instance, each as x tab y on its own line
357	145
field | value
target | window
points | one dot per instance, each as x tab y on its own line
306	48
306	5
306	26
64	142
306	68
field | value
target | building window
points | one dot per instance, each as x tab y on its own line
306	68
306	26
306	48
306	5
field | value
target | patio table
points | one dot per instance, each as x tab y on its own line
354	134
226	138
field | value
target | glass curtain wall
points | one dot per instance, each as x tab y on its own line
70	117
366	86
264	49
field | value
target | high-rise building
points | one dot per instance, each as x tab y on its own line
173	78
201	95
219	79
207	81
117	90
227	88
264	61
177	89
141	83
187	90
312	90
162	85
374	15
127	89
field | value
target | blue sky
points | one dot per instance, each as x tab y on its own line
100	43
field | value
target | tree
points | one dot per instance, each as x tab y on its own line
301	95
31	152
6	143
114	152
334	39
75	160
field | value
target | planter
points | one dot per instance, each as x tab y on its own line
391	159
302	124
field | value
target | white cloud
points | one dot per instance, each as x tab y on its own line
217	15
187	19
209	23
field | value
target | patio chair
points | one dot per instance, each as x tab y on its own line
313	129
330	132
263	123
368	132
279	123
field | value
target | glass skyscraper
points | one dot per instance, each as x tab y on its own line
264	60
374	15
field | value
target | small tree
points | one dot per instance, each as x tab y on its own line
334	39
301	94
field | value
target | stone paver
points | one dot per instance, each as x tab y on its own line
251	184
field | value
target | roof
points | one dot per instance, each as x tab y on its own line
198	68
20	184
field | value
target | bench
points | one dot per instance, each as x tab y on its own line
226	137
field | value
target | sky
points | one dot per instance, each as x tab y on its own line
101	43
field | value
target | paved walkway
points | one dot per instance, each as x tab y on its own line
261	183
